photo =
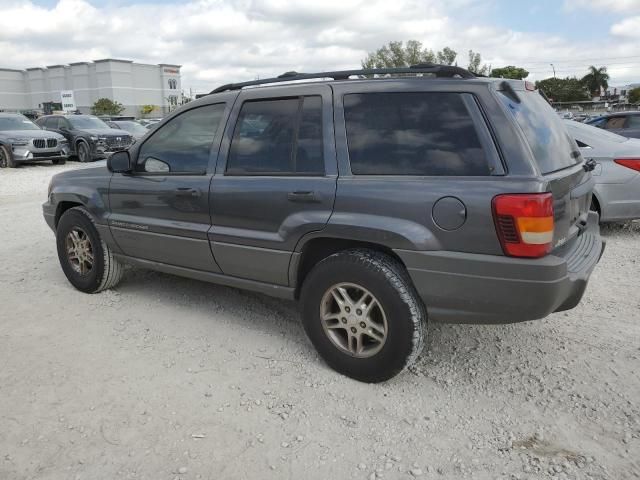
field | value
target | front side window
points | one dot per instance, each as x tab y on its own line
82	122
419	133
278	137
183	144
615	122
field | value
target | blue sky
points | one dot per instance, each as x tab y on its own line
221	40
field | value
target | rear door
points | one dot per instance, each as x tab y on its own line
275	181
557	158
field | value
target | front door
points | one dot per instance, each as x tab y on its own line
275	181
160	211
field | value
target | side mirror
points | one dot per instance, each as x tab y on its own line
64	129
119	162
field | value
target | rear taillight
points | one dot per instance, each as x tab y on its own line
524	222
632	163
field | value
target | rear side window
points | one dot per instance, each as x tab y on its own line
633	121
278	137
421	133
551	145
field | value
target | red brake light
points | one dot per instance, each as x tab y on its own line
632	163
524	222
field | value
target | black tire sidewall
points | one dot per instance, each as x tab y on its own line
9	163
86	283
398	346
82	146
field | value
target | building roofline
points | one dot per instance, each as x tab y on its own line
10	70
34	68
56	66
79	63
169	65
112	60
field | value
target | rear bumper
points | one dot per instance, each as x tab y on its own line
470	288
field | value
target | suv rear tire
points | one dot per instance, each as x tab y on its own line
87	261
366	295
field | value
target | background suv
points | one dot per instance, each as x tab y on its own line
89	137
23	141
375	202
622	123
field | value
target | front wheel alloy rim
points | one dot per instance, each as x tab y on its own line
354	320
3	158
79	251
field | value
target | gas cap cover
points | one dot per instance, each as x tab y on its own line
449	213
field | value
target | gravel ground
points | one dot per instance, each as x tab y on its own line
169	378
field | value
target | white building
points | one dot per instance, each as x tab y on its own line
131	84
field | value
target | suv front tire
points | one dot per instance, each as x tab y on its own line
363	314
87	261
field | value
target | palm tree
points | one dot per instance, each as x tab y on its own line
596	79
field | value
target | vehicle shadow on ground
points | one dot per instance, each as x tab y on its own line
446	344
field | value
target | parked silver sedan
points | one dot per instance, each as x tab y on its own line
616	196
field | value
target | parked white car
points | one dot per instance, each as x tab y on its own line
616	196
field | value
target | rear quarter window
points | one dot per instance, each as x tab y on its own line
413	133
552	147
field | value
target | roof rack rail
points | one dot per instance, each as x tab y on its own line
447	71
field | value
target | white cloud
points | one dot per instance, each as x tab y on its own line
618	6
218	41
629	27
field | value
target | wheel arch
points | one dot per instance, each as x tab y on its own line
597	203
63	206
316	249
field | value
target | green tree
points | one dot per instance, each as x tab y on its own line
104	106
596	79
398	54
446	56
568	89
147	109
634	95
475	59
509	71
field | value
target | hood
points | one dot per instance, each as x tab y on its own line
29	134
99	170
106	132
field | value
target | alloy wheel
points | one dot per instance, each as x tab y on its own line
79	251
354	320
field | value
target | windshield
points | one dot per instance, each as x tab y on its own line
549	141
131	127
587	132
81	122
17	122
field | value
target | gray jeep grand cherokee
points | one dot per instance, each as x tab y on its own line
378	201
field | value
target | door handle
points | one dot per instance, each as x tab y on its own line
187	192
298	196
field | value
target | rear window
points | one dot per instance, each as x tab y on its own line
421	133
547	137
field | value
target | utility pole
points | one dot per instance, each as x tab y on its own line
554	70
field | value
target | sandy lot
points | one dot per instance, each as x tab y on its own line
168	378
